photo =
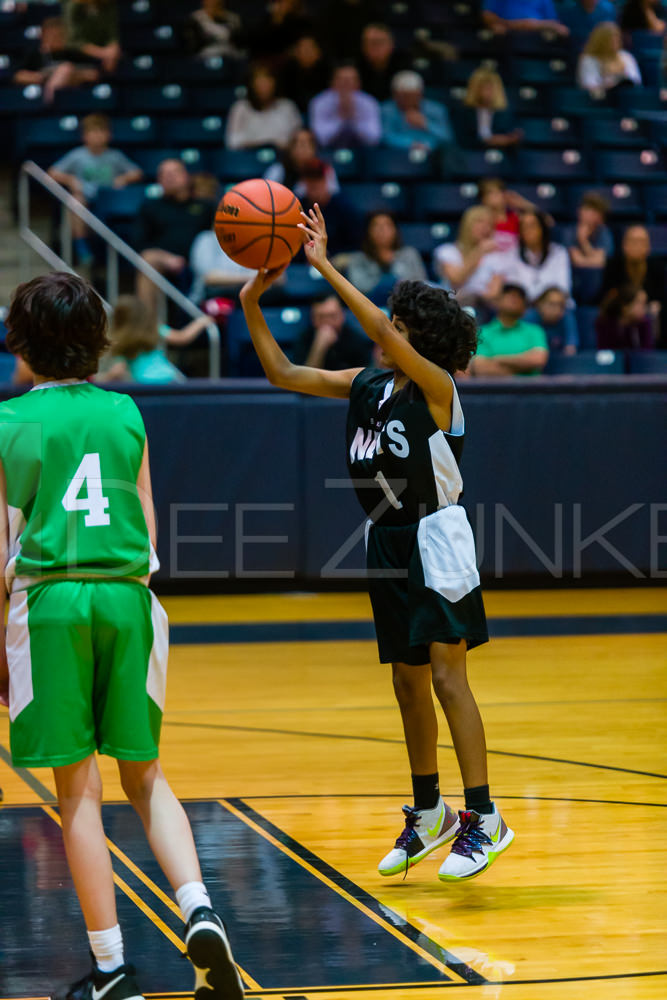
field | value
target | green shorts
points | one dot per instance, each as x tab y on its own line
87	671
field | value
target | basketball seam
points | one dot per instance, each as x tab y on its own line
273	223
259	208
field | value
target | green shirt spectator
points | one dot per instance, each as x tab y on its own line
508	345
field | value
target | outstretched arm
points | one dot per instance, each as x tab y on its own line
278	368
433	380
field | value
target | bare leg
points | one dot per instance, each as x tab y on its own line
450	681
412	686
79	227
79	788
166	825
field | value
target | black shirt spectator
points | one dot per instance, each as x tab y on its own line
271	38
344	223
306	72
342	22
379	61
330	342
642	15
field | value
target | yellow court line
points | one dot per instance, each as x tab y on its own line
131	894
144	907
440	966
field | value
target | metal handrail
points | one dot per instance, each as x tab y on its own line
115	246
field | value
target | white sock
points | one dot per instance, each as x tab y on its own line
107	947
190	896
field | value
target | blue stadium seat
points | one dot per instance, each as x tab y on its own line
379	197
625	132
646	362
240	164
150	159
216	100
302	283
585	316
528	100
625	200
548	197
112	204
202	72
426	236
658	234
142	67
443	201
101	99
151	38
573	101
22	100
155	98
138	130
541	72
398	164
655	198
285	322
348	163
551	164
630	165
470	164
635	99
7	365
208	131
63	131
586	363
557	132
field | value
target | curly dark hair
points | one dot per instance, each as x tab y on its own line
58	325
438	327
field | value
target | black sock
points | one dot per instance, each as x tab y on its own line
479	799
426	790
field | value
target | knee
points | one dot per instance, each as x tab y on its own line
137	781
409	685
448	683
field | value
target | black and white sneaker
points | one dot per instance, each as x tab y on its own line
117	985
216	975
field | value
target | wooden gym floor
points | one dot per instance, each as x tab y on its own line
282	736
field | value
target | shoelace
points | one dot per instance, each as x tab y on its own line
407	835
470	837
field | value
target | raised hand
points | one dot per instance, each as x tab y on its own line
316	236
263	279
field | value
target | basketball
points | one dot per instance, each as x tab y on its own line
256	224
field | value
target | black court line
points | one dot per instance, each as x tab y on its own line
331	631
386	739
385	913
25	775
452	795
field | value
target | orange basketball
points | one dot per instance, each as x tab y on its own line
256	224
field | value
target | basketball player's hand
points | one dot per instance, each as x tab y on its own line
316	236
264	278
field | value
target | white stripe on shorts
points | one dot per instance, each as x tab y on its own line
18	655
156	681
447	550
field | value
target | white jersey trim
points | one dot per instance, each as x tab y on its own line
18	656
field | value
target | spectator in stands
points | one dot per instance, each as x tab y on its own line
300	150
213	269
330	342
509	345
168	225
503	16
581	16
460	265
306	72
88	168
383	259
271	38
92	29
604	64
209	31
411	121
589	243
505	206
261	118
49	64
342	23
551	312
634	265
343	115
538	263
485	96
138	343
379	61
344	225
624	322
643	15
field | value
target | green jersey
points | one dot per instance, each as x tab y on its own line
71	453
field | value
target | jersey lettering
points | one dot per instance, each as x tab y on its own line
400	446
95	503
361	443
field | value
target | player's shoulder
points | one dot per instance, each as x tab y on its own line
370	378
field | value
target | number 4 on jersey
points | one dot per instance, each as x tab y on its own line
95	503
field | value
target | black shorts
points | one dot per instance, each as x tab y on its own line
424	586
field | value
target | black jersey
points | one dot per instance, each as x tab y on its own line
402	465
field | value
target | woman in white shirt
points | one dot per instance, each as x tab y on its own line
604	64
261	118
538	263
473	267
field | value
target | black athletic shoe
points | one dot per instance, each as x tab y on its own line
216	976
117	985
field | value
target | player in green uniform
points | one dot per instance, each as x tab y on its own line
86	643
405	430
